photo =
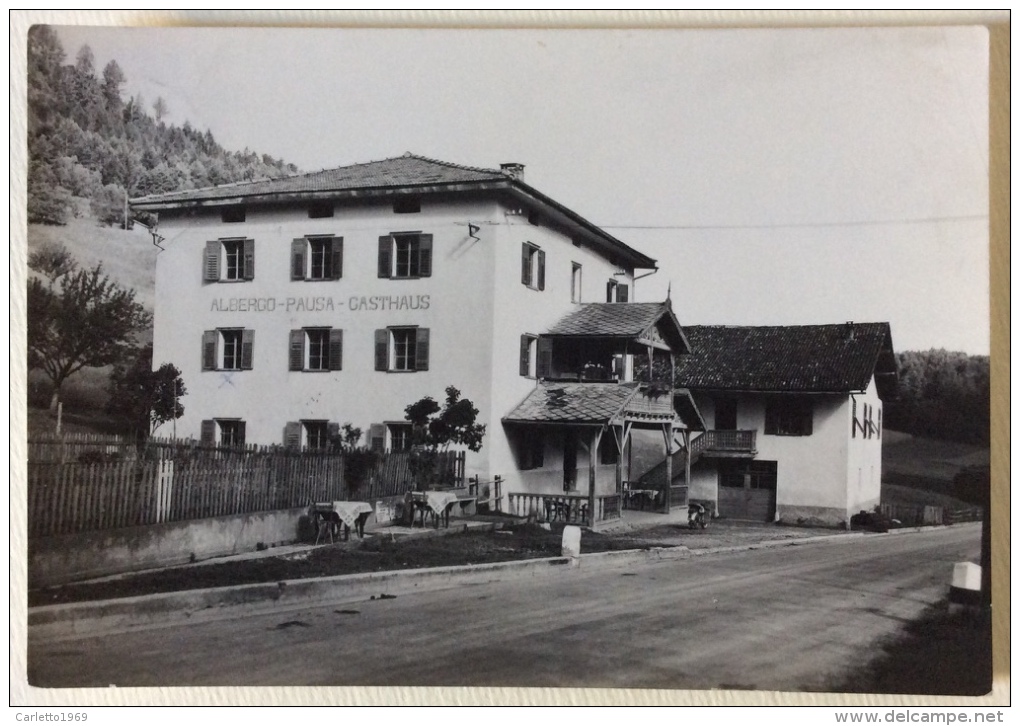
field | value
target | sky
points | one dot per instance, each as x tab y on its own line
779	177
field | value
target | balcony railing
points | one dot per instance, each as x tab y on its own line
724	442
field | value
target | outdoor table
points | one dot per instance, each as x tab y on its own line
437	505
642	496
557	509
350	514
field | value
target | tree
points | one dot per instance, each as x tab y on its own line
160	108
53	261
113	79
90	322
358	460
145	399
436	429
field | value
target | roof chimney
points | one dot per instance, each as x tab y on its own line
849	329
513	170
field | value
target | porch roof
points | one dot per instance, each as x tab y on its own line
603	403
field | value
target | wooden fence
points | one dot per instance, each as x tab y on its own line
175	481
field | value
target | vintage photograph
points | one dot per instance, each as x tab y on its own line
645	359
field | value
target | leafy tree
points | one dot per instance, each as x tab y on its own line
436	428
89	322
145	398
53	261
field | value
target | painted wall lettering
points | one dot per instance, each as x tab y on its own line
319	304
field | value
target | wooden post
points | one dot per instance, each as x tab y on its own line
667	433
593	452
687	462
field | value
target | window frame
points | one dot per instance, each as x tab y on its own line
319	428
216	260
616	290
789	416
330	355
214	349
418	253
532	266
303	250
530	449
416	354
401	432
528	367
223	432
576	272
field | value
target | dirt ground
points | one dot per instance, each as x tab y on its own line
380	553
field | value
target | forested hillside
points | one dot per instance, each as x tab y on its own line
88	145
942	395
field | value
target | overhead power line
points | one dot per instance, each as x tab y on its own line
868	223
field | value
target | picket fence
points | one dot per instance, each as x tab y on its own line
115	484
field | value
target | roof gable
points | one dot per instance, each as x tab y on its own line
795	358
648	321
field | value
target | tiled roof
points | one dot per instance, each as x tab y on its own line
553	402
402	171
610	319
797	358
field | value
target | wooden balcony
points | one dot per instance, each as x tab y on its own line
722	444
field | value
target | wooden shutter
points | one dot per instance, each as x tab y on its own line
337	258
209	340
297	350
425	255
544	358
208	433
297	259
336	349
421	349
292	435
382	349
385	256
211	262
242	430
377	438
249	259
247	349
526	264
853	427
609	291
525	355
622	293
541	269
333	432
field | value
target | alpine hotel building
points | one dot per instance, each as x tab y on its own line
292	306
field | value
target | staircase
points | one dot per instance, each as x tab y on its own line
722	444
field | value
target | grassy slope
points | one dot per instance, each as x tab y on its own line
920	471
129	258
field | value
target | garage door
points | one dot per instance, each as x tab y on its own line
747	490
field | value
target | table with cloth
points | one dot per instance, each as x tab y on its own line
330	515
436	504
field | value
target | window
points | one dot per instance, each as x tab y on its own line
405	255
748	475
320	210
407	205
229	260
227	432
400	436
310	434
228	349
316	349
232	215
788	417
402	349
531	449
617	292
575	283
532	266
529	355
317	258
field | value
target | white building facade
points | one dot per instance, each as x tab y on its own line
296	305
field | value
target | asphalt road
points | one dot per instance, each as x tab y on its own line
791	618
